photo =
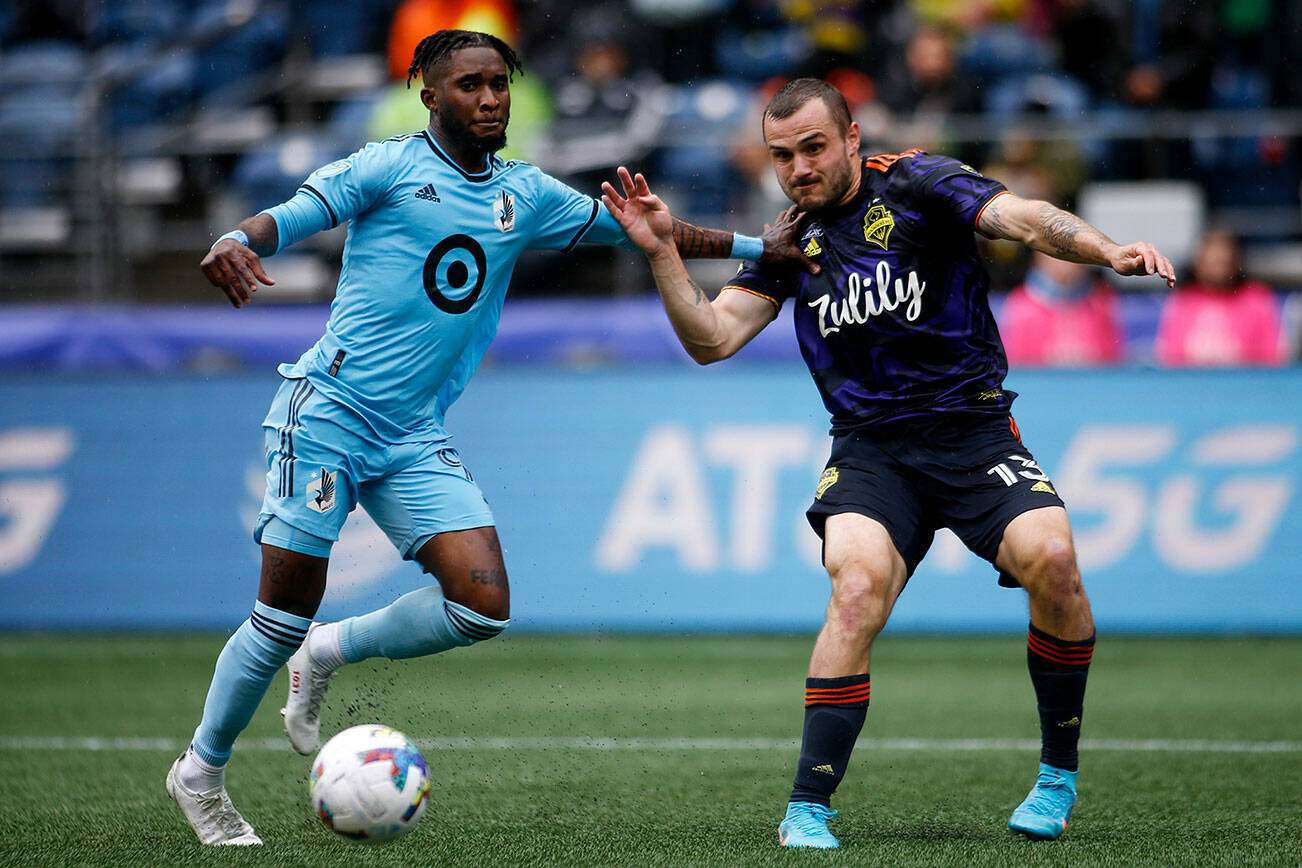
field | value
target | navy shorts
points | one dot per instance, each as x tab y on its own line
972	476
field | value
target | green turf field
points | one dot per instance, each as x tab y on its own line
671	751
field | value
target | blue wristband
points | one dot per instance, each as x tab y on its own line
240	236
746	247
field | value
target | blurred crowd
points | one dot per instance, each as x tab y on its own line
676	87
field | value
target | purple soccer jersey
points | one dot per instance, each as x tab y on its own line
897	325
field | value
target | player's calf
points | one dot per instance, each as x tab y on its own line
414	625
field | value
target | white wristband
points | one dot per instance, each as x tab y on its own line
237	234
746	247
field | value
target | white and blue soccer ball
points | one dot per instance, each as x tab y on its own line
370	784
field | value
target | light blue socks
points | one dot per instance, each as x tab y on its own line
244	671
414	625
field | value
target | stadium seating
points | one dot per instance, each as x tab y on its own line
271	172
701	121
235	101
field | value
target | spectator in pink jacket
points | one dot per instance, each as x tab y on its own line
1063	314
1220	317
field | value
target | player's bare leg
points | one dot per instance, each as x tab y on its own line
289	592
1037	551
292	581
867	576
471	603
299	581
470	569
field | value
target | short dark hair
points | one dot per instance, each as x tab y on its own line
794	94
437	47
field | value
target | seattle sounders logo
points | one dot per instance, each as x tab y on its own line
877	226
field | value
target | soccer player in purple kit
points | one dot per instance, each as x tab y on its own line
898	335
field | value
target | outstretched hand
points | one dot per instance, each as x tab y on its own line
1141	258
780	242
235	270
644	217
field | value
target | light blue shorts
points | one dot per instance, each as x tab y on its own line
323	460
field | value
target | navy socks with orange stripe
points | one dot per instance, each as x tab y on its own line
835	709
1058	672
243	673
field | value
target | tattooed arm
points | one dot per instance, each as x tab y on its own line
708	330
780	248
693	242
1063	235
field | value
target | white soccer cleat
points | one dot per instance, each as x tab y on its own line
211	814
307	686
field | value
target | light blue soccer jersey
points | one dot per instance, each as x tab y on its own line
426	265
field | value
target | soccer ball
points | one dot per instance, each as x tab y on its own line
369	783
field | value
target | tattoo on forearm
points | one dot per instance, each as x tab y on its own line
496	578
996	226
693	242
1067	236
700	296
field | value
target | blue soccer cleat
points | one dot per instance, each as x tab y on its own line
805	825
1047	809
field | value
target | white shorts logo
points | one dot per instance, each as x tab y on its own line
321	491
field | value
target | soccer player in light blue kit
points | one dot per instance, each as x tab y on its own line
436	223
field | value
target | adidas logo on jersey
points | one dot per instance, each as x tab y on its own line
428	192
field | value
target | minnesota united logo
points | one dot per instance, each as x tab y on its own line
877	226
323	487
504	212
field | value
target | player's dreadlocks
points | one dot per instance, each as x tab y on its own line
435	48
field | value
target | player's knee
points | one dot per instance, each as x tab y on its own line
496	607
472	626
860	597
1051	569
493	602
483	590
